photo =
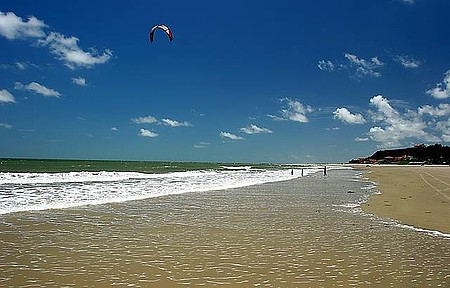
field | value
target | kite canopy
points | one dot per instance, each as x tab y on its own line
161	27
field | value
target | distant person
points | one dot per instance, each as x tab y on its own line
324	170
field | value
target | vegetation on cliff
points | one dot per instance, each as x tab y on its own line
432	154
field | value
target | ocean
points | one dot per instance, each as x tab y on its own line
27	185
218	225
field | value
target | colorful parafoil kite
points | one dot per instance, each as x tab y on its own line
161	27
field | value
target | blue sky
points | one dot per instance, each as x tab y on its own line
242	81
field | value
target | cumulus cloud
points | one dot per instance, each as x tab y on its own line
37	88
6	97
174	123
442	90
14	27
392	128
80	81
407	61
364	68
147	133
293	110
442	110
346	116
253	129
439	119
395	127
145	120
230	136
64	48
115	129
444	128
67	50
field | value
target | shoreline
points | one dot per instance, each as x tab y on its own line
280	234
417	196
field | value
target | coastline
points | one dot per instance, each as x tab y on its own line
418	196
295	233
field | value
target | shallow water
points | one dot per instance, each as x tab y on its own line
298	233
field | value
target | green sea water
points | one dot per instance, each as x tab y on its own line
57	166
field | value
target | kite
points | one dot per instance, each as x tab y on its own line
162	27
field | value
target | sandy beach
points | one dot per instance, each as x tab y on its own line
414	195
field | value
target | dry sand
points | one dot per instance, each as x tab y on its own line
414	195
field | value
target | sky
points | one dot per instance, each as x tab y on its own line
242	81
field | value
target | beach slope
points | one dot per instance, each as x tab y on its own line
414	195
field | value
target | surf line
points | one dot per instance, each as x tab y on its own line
324	171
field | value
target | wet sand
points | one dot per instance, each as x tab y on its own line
298	233
417	196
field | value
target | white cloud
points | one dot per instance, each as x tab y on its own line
408	1
346	116
442	110
165	122
14	27
253	129
276	118
147	133
407	61
444	128
174	123
361	68
37	88
326	65
230	136
21	65
5	125
65	48
360	139
364	68
114	129
80	81
293	111
395	127
201	145
440	119
146	120
6	97
442	90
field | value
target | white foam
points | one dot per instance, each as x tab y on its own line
40	191
421	230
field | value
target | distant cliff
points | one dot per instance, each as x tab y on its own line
432	154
